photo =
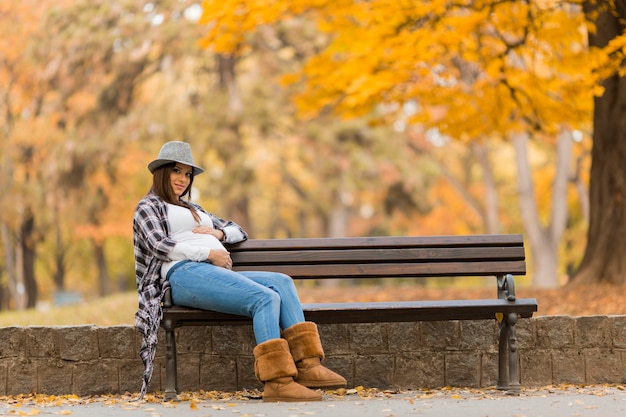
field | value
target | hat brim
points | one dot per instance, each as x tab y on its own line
157	163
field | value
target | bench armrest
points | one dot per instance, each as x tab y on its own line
506	287
167	298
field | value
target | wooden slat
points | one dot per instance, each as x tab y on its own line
377	312
418	311
394	269
325	256
380	242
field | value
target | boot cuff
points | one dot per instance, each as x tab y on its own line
304	341
306	326
273	360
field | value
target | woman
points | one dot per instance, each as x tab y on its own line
178	245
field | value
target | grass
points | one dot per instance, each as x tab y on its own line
118	309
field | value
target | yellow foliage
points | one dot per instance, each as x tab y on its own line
494	66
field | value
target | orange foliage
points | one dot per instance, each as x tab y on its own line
495	66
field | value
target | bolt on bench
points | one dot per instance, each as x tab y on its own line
498	256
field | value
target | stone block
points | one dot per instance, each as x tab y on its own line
369	339
375	371
95	378
489	369
117	342
3	376
40	342
526	332
78	343
245	374
232	340
419	370
568	366
478	334
593	331
21	376
131	372
335	338
535	367
193	339
462	368
188	372
405	337
618	330
54	377
12	341
343	365
602	366
437	335
555	332
218	372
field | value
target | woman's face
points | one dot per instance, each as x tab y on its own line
180	178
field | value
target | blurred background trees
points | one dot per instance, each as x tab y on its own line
311	117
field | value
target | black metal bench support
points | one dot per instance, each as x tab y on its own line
171	367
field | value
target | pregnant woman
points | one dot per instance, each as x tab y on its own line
179	245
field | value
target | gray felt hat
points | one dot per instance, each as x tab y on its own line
175	151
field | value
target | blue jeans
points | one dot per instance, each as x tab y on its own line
269	298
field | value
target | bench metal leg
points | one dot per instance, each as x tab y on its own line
508	355
513	353
171	377
503	365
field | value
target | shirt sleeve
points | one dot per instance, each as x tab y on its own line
233	233
150	232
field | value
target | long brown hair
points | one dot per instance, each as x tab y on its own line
162	187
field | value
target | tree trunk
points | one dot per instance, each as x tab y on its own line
237	209
9	263
103	272
490	206
604	260
28	244
544	240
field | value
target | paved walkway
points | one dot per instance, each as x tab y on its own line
563	401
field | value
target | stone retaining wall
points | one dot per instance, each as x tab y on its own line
86	360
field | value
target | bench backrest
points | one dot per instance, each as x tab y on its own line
376	257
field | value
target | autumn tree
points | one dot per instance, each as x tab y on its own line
605	254
491	69
24	117
332	154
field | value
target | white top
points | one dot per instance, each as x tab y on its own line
189	245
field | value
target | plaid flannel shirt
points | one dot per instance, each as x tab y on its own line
152	245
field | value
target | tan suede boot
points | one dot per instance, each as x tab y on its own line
275	368
306	350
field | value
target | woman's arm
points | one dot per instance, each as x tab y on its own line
233	233
150	232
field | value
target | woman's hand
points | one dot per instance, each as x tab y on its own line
220	257
209	231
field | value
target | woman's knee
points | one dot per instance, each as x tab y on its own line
268	299
283	280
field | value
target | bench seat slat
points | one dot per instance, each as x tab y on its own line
393	269
403	311
326	256
380	242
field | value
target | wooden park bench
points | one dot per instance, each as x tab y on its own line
498	256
